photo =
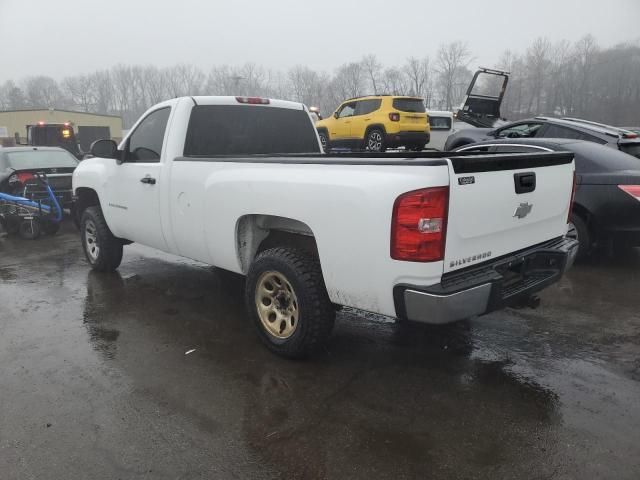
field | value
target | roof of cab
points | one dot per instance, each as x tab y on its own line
233	100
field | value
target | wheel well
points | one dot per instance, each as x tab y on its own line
256	233
587	218
372	127
85	198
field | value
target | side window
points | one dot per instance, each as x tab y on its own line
364	107
556	131
521	130
518	149
440	123
145	143
347	110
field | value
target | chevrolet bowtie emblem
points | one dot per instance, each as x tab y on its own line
523	210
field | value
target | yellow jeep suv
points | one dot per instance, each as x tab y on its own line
376	123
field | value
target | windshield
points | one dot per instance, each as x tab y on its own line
247	130
34	159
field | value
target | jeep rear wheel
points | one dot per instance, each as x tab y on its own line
324	140
287	300
374	142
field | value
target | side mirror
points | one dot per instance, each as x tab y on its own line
104	148
335	114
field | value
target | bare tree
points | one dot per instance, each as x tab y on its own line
418	72
373	70
42	92
80	91
451	61
11	96
104	91
394	82
538	63
579	79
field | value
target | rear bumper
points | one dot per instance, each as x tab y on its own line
401	139
488	287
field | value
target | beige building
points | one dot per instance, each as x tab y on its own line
13	121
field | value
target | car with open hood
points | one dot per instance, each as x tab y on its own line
547	127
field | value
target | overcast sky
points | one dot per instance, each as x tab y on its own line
63	37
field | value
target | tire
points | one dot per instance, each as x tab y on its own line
102	249
51	228
12	225
577	229
30	229
374	141
288	303
324	141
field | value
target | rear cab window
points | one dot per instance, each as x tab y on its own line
249	130
439	123
413	105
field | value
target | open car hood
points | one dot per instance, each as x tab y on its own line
481	105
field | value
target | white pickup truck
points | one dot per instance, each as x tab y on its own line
241	183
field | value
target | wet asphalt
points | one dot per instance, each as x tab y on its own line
96	382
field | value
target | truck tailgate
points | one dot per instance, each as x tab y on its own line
504	203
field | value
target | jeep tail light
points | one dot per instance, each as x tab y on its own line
633	190
419	225
253	100
394	117
573	197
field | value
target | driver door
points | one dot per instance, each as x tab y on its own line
133	189
341	126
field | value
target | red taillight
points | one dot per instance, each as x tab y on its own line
633	190
629	135
394	117
573	197
253	100
24	177
419	225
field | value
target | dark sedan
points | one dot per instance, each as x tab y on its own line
606	211
19	164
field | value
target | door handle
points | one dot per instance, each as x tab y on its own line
524	182
149	180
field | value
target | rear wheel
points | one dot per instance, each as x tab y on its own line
577	230
30	229
102	249
324	140
374	142
287	300
51	228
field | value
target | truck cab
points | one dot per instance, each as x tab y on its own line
61	135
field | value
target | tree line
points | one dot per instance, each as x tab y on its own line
578	79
